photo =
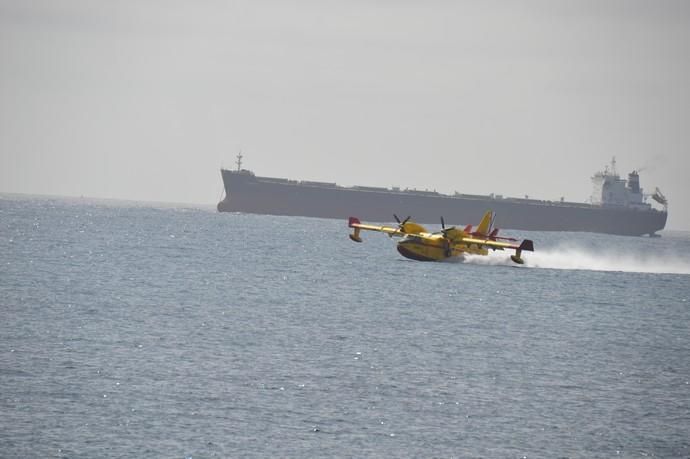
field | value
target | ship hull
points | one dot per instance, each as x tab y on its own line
247	193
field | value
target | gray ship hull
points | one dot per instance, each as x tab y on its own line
247	193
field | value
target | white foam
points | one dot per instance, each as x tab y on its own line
584	259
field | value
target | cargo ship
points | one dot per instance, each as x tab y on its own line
617	205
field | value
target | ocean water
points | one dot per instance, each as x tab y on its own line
135	330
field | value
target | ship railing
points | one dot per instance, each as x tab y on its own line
370	188
321	184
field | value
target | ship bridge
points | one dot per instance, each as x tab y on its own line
609	189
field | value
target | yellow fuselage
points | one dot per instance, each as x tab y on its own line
434	247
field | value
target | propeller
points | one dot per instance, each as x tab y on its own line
447	243
401	223
443	226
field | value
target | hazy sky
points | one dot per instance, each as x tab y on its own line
147	99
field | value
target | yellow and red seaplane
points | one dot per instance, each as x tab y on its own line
419	244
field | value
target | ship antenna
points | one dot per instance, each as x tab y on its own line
613	166
239	162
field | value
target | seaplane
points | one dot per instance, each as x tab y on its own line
417	243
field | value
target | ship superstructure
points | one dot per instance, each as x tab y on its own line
612	190
617	206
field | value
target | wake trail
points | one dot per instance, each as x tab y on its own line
571	258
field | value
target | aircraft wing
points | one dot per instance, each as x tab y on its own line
381	229
357	225
525	245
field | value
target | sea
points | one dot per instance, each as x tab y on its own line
169	331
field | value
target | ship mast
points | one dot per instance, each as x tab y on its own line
239	162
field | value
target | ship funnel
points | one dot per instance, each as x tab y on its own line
634	182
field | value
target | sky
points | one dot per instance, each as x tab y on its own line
147	100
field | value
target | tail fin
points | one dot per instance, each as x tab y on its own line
485	225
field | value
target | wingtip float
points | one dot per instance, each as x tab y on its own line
419	244
354	222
